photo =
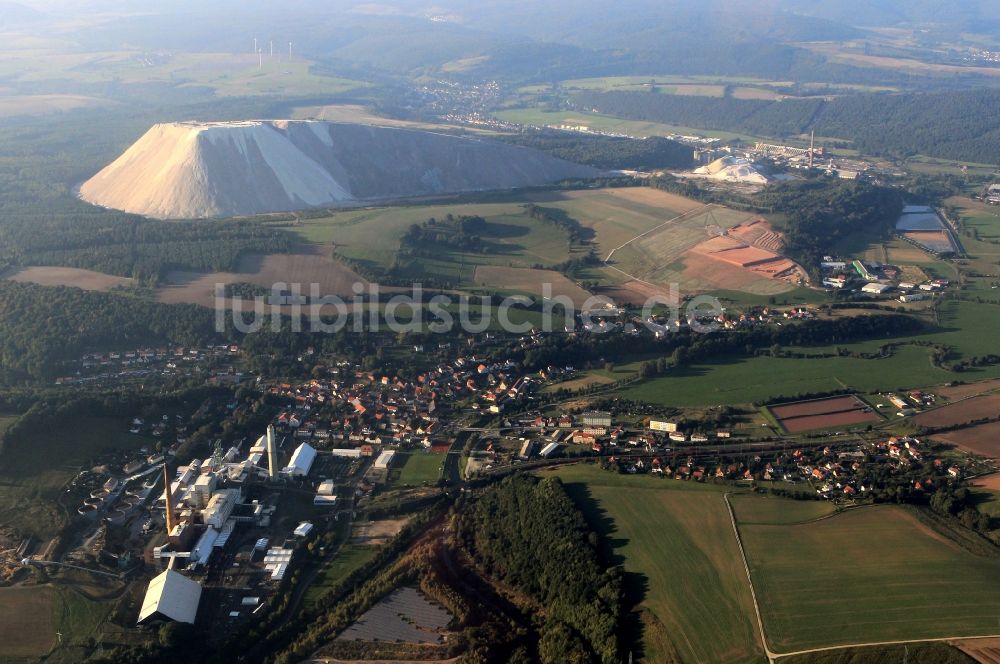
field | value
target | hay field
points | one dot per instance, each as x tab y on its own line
529	280
68	276
307	265
681	560
27	628
832	582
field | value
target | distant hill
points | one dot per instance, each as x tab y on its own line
221	169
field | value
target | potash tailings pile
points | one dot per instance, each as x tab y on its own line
221	169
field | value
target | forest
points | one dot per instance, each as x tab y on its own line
41	327
960	125
819	213
607	151
529	534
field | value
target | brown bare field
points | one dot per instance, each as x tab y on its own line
743	256
377	532
529	280
847	418
751	248
704	272
26	627
987	405
968	389
983	439
308	264
984	651
815	407
68	276
755	93
823	413
991	481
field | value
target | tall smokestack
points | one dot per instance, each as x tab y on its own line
812	150
272	453
169	500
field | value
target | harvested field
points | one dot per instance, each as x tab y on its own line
710	248
529	280
937	241
968	389
377	532
981	439
68	276
307	265
703	272
635	292
26	621
618	215
973	408
984	651
823	413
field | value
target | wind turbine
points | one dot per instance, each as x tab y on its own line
254	44
289	50
260	59
272	47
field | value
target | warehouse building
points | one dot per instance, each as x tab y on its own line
170	596
301	462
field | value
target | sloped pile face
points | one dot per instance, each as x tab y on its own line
194	170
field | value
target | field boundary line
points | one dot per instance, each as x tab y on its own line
885	643
656	228
771	656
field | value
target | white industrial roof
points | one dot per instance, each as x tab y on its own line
173	596
202	551
384	459
302	460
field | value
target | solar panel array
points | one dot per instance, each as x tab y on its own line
405	615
